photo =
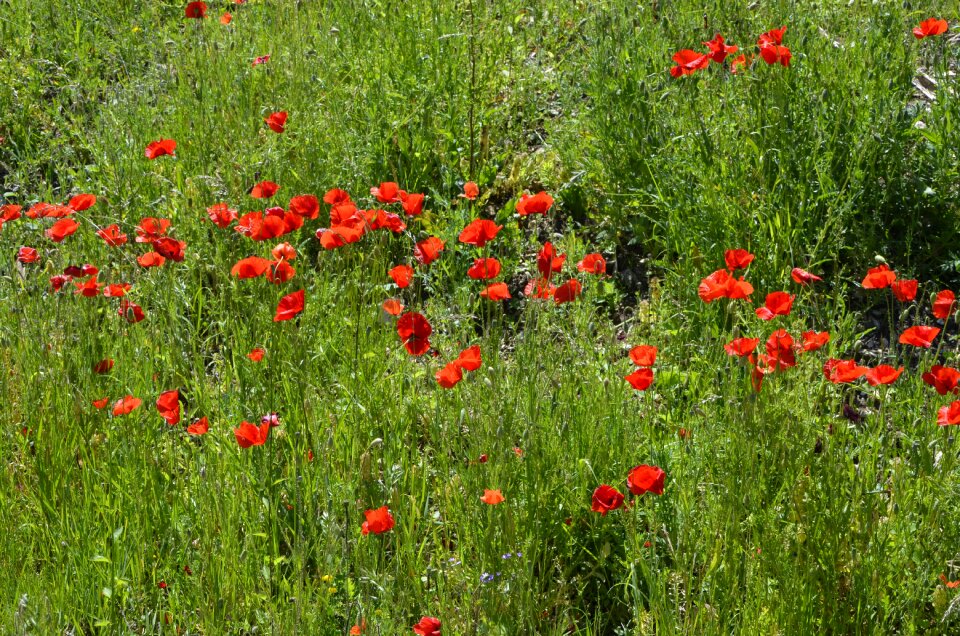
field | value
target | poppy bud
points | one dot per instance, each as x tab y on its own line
365	467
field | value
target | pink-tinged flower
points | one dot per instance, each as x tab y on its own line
28	255
949	415
263	59
803	277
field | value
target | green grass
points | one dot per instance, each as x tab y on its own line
780	514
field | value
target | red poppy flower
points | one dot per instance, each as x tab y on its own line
126	405
904	290
479	232
225	19
387	221
401	275
484	269
949	415
548	261
950	584
919	336
777	304
644	355
116	290
103	366
360	628
49	211
779	348
883	374
99	404
719	50
737	259
289	306
251	435
844	371
196	10
606	498
112	236
641	379
774	36
538	203
645	478
168	406
449	376
592	264
256	354
813	340
264	190
944	304
151	229
61	230
470	190
90	288
879	277
943	379
276	121
10	212
131	312
305	206
412	203
428	626
469	359
336	196
428	250
492	497
221	214
200	427
387	192
171	248
929	28
392	306
568	292
539	289
377	521
688	62
803	277
82	202
151	259
27	255
414	332
280	272
496	292
741	347
160	148
774	54
58	281
262	59
284	251
721	284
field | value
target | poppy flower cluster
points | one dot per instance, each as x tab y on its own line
641	479
769	45
451	374
644	357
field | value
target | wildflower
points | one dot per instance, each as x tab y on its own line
160	148
645	478
606	498
930	27
377	521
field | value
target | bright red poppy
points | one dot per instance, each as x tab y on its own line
470	359
539	203
386	192
737	259
741	347
306	206
813	340
919	336
401	275
904	290
226	19
264	190
89	288
496	292
643	355
112	235
350	230
593	264
548	261
949	415
715	286
99	404
776	54
428	250
470	190
414	332
196	10
479	232
151	259
484	269
171	248
719	50
276	121
280	272
883	374
428	626
61	230
289	306
943	379
803	277
844	371
392	306
879	277
251	435
27	255
221	214
116	290
780	350
944	304
377	521
641	379
126	405
606	498
160	148
256	354
150	229
450	375
930	27
131	312
82	202
688	62
200	427
773	36
645	478
412	203
776	304
168	406
567	292
336	196
492	497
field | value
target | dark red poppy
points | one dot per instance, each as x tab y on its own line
131	312
112	235
943	379
151	229
496	292
58	281
196	10
737	259
402	275
386	192
719	50
879	277
414	332
171	248
251	435
103	366
944	304
548	261
126	405
160	148
412	203
930	27
27	255
305	206
428	626
567	292
82	202
776	304
264	190
883	374
539	203
200	427
61	230
904	290
484	269
741	347
592	264
168	406
813	340
641	379
919	336
450	375
949	415
479	232
428	250
606	498
151	259
803	277
643	355
289	306
377	521
470	190
645	478
276	121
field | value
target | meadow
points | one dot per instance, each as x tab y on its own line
479	317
